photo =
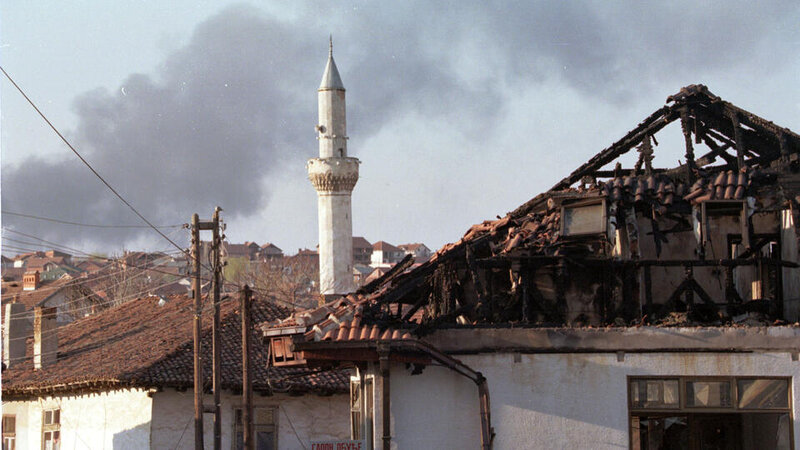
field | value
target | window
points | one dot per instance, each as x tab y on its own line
9	432
586	217
362	397
281	352
51	429
264	430
710	412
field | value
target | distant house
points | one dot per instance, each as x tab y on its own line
360	273
270	251
139	260
248	251
420	251
385	254
123	379
362	251
307	256
39	260
71	298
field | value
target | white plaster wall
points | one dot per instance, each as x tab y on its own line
116	419
310	416
550	400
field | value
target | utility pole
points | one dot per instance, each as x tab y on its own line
198	366
197	225
247	384
216	344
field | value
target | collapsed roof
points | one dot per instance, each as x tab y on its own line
527	269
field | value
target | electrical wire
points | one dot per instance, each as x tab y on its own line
86	163
66	222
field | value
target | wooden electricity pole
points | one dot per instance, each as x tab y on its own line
198	365
216	344
213	225
247	384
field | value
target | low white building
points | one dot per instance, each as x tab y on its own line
123	379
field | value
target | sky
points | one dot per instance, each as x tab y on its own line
458	110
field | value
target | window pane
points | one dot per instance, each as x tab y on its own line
583	219
57	416
265	440
671	393
653	393
763	394
9	424
660	433
48	417
708	394
263	416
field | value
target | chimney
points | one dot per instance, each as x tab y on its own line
30	281
45	337
15	329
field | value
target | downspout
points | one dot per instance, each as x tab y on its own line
383	358
487	433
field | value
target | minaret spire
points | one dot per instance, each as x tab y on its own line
334	175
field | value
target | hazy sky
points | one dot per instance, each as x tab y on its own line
459	111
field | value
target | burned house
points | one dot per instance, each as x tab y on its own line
641	307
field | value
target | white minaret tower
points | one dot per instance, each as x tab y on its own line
333	174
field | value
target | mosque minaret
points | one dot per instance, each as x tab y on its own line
334	175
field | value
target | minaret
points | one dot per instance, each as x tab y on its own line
333	174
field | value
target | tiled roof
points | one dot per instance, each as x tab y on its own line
411	247
354	331
13	273
360	242
385	247
722	186
33	298
140	343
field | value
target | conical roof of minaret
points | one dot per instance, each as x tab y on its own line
331	78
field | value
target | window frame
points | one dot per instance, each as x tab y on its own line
581	204
682	393
51	428
238	426
9	437
365	409
684	410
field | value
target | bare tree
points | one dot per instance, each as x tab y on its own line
293	281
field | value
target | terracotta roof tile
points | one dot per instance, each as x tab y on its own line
140	343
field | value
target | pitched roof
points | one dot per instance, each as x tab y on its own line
141	343
412	247
383	246
360	242
30	299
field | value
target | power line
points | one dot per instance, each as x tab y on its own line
66	222
89	165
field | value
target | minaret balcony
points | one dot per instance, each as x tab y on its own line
335	174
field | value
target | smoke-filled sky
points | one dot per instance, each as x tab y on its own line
459	111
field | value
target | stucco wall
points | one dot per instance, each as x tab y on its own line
310	416
550	400
115	419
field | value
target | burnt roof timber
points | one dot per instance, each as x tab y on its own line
758	136
654	123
